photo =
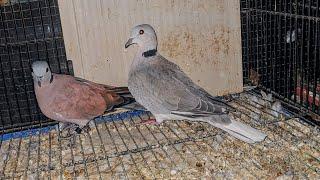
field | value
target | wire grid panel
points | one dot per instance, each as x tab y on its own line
280	48
29	31
125	149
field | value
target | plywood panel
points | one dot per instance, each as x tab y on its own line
71	36
202	36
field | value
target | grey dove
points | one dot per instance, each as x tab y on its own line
169	94
72	100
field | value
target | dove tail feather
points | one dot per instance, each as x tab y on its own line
122	91
126	101
241	131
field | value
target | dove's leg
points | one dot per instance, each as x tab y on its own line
66	125
159	118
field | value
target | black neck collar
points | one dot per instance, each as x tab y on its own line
51	78
149	53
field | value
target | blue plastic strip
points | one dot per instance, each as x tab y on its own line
45	130
26	133
119	116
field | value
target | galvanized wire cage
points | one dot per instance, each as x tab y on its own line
118	147
281	48
30	30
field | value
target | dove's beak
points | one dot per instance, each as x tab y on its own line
39	79
129	42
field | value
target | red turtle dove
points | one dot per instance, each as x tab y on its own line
69	99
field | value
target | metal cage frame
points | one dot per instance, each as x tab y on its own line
280	41
30	30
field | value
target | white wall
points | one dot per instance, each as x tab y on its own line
202	36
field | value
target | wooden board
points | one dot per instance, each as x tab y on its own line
202	36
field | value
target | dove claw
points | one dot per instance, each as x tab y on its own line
78	130
86	129
68	128
70	134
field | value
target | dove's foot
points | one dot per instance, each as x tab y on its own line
149	121
67	130
84	129
67	126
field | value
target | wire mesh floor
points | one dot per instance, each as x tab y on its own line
124	149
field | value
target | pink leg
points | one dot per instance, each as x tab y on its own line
149	121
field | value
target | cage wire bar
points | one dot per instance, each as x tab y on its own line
30	30
280	40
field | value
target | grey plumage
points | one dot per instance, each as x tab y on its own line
168	93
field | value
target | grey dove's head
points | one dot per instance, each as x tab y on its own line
144	36
41	73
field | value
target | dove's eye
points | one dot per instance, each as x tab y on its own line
47	69
141	31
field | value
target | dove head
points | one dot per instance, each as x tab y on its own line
144	36
41	73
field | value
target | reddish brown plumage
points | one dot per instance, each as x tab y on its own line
74	100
